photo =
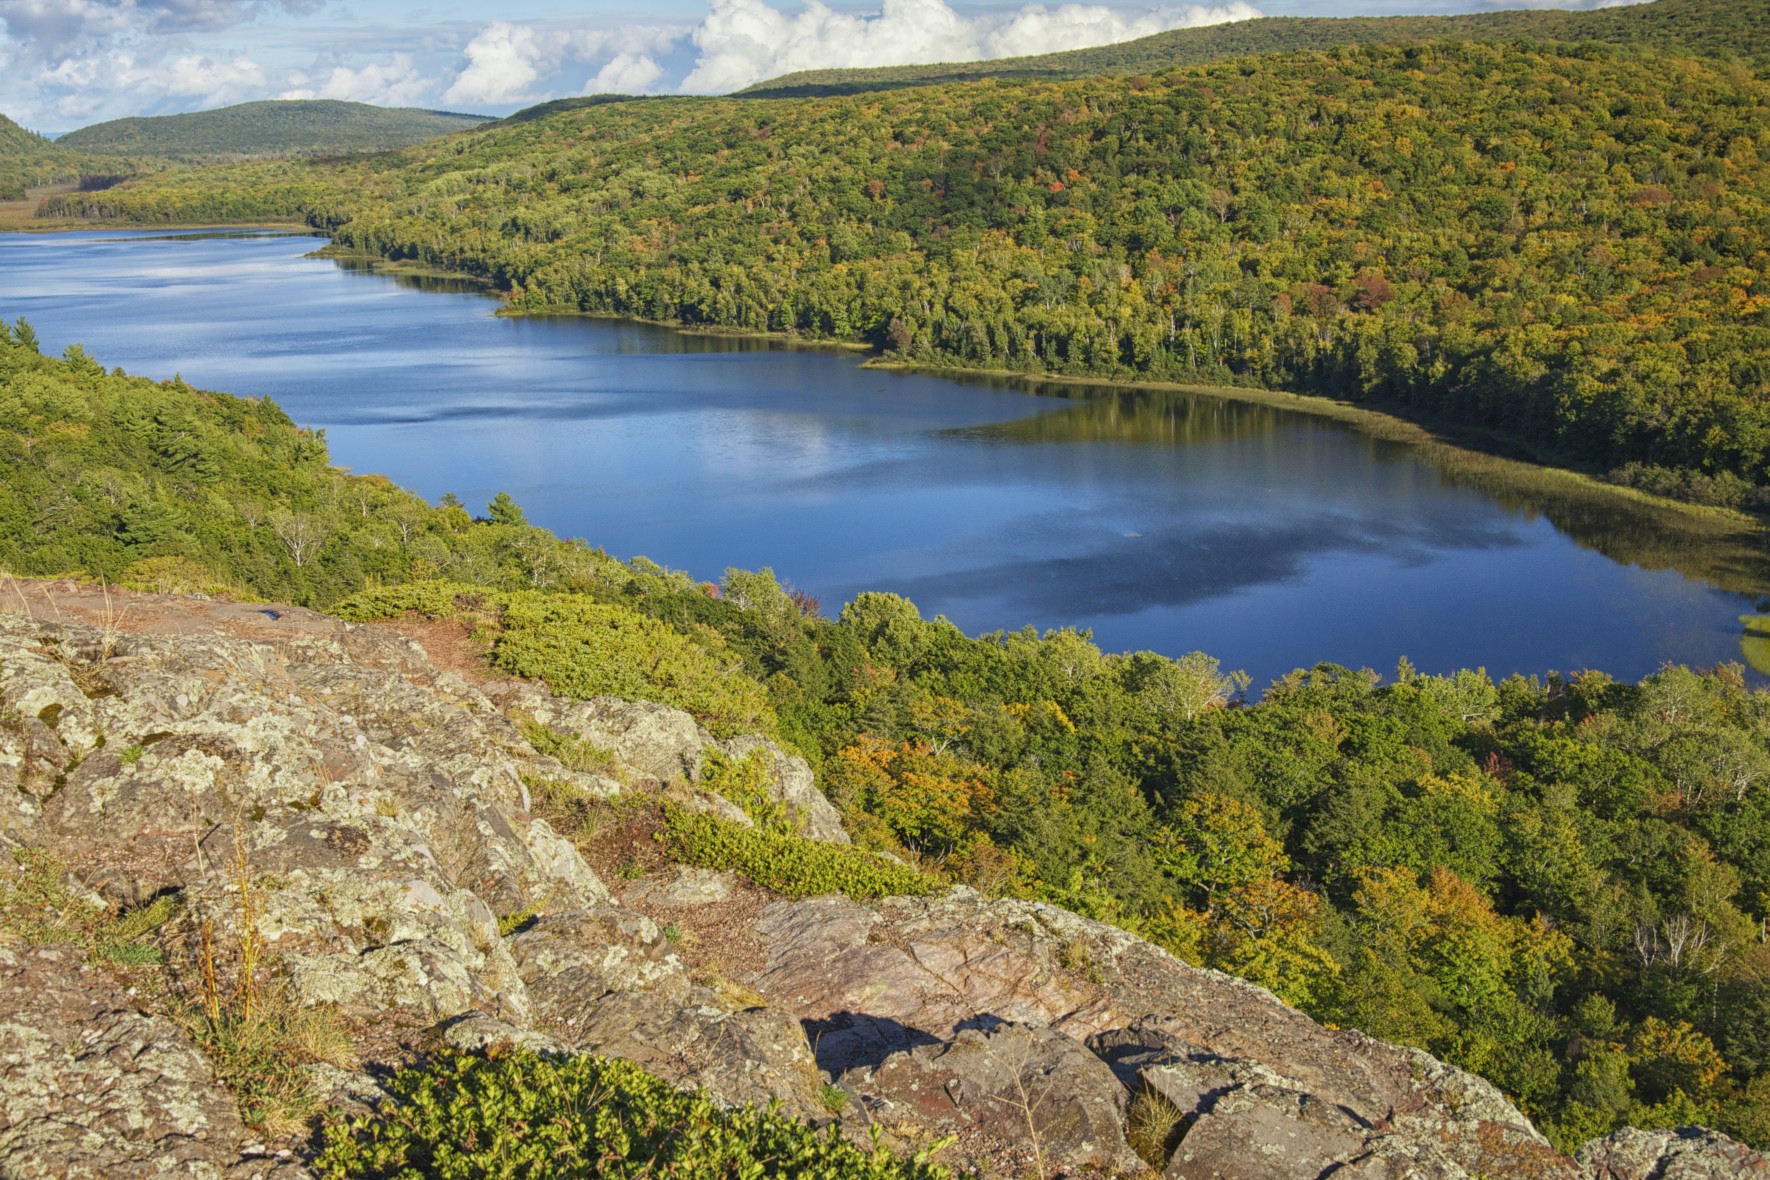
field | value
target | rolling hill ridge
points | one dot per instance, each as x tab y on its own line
270	128
1698	28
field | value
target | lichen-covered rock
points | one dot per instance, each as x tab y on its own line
93	1088
1688	1153
647	739
475	1032
665	746
874	981
793	784
571	961
880	979
1266	1133
685	886
1021	1099
747	1057
374	807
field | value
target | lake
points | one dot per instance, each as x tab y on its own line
1268	537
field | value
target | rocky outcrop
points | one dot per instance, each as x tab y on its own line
658	746
377	815
92	1088
891	989
375	808
1020	1099
1688	1153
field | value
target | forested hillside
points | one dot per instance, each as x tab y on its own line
1735	30
1560	883
272	128
16	141
1565	246
158	485
28	161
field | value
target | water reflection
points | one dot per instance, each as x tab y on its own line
1165	520
1167	417
226	235
1732	553
430	282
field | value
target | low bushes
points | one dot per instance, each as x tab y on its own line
788	864
517	1115
583	648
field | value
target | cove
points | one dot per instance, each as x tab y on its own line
1173	521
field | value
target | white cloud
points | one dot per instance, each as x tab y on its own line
503	61
1079	26
197	81
58	29
53	29
745	41
626	73
215	83
72	60
508	63
396	82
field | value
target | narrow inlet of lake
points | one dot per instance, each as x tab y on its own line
1170	521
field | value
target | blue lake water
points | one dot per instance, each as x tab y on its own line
1270	538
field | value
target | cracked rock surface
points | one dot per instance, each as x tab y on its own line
93	1088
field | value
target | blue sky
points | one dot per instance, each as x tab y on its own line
68	63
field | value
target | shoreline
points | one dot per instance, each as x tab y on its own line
21	217
1374	423
1465	445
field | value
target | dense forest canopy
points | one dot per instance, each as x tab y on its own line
1734	30
1562	883
1564	245
288	127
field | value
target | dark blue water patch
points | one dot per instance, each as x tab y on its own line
1171	522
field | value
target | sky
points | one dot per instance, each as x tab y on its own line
69	63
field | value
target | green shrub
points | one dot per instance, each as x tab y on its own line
518	1115
583	648
573	752
439	600
747	783
175	575
788	864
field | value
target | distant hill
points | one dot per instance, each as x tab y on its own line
1737	29
29	160
560	106
273	128
16	141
